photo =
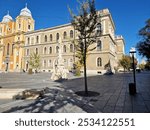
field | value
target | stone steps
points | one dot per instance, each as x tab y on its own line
9	93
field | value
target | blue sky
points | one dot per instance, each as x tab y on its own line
128	15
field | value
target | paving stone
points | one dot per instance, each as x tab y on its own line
127	109
118	109
147	103
114	93
108	109
70	108
139	109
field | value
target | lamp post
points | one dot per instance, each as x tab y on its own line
132	86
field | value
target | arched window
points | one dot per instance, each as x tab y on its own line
8	46
71	33
57	49
50	50
37	39
50	63
27	53
99	45
36	50
45	50
98	29
65	35
28	40
45	38
99	62
57	36
51	37
29	27
44	63
71	48
64	49
19	25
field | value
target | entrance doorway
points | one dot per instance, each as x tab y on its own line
27	65
6	69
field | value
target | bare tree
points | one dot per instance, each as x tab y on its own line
85	22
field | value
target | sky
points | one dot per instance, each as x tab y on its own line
129	16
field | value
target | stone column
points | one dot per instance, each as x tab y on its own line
20	57
16	54
1	55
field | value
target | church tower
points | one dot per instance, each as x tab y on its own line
24	23
12	40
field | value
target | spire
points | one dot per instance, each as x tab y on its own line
25	11
7	18
7	12
26	5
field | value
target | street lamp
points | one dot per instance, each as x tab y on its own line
132	86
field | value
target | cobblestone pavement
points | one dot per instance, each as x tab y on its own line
60	97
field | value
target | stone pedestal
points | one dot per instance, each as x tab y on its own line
59	72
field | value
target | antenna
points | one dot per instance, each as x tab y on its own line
26	5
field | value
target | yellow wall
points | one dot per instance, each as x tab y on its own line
12	34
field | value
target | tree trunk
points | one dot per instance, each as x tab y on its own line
85	75
85	78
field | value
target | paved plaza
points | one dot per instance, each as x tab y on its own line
60	96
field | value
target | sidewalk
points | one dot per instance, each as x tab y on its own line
114	93
60	97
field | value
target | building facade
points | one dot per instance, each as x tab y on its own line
18	40
12	40
45	42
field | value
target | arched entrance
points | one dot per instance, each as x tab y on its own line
7	65
27	65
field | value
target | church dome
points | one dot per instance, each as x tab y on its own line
7	18
25	12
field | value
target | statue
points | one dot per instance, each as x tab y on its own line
59	72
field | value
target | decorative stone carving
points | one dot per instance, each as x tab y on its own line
59	72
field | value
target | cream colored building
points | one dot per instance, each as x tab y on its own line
109	47
12	40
